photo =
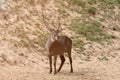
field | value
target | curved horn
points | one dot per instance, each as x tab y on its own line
59	28
44	21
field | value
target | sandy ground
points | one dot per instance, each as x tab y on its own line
91	70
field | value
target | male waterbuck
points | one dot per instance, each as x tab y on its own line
56	45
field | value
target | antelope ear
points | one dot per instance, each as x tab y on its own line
60	29
50	30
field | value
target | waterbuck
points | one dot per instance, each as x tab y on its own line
56	46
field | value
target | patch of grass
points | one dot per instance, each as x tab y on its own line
85	29
92	10
102	6
78	44
118	1
107	4
108	1
100	38
78	2
92	1
91	31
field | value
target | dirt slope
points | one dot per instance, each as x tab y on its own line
23	36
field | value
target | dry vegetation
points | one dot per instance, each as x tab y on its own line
93	25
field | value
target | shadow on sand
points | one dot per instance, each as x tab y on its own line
83	73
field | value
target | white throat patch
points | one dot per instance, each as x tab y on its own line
53	39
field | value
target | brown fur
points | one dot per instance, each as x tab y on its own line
58	47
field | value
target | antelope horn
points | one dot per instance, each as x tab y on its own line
59	25
45	23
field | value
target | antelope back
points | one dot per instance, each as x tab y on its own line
61	45
66	43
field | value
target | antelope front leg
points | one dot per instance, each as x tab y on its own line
50	61
55	59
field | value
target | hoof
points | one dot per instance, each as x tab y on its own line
71	71
50	72
58	70
55	72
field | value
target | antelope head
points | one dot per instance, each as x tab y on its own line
54	34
